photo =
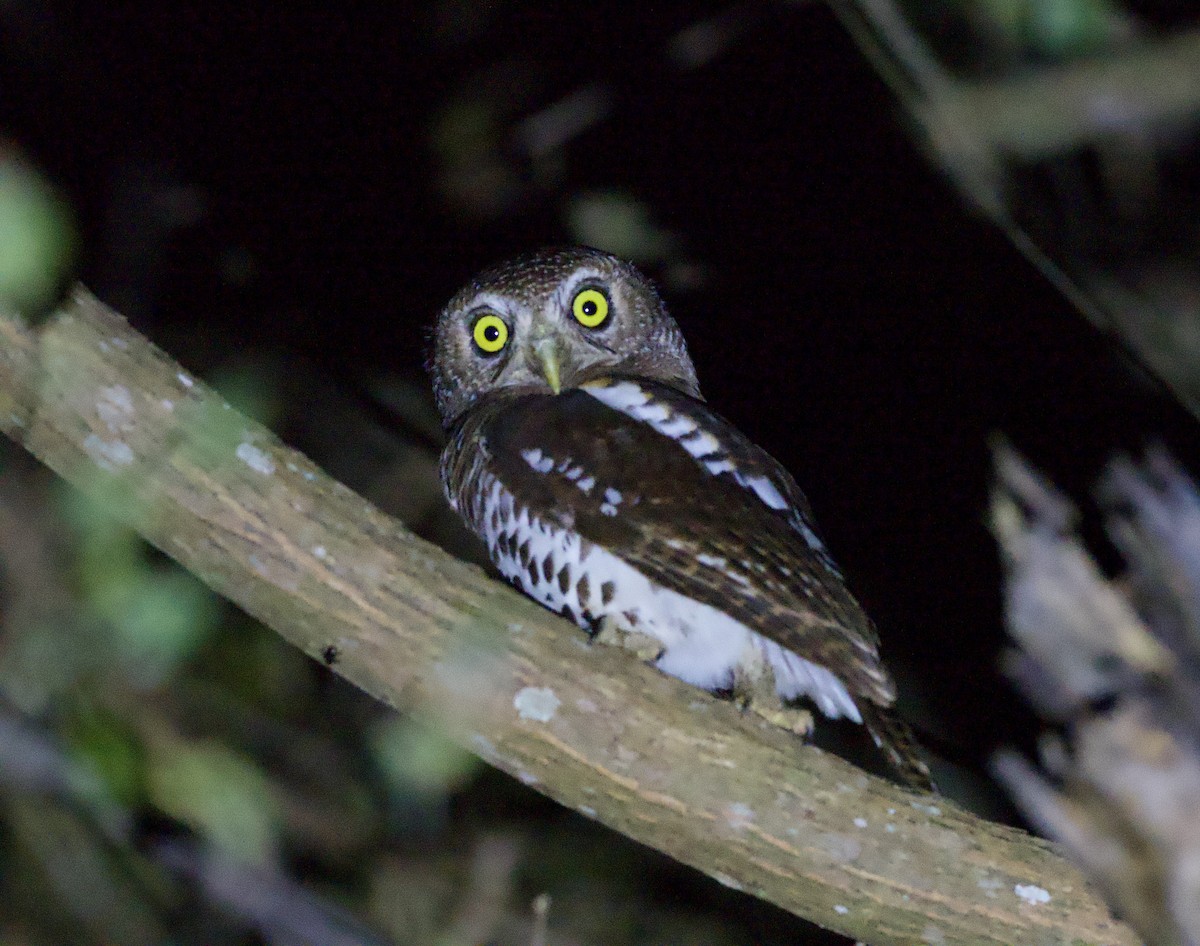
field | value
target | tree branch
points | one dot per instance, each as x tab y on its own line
1058	109
594	729
1131	106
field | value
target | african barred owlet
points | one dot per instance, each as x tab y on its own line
581	452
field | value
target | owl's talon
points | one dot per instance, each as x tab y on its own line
754	692
794	719
608	633
611	634
644	647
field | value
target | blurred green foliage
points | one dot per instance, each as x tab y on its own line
1063	29
618	223
158	614
107	746
37	237
418	761
1044	29
222	795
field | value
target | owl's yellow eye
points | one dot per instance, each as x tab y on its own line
590	308
490	333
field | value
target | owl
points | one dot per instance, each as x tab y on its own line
582	453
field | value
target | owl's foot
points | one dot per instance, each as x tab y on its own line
611	634
794	719
755	693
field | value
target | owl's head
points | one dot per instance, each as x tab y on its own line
550	321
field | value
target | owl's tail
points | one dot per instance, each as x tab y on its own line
895	739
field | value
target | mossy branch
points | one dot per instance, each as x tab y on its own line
594	729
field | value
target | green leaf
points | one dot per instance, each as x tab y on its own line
37	238
417	761
220	794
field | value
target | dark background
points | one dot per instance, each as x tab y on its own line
263	185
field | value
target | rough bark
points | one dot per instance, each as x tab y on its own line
592	728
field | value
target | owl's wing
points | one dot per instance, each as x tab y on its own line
678	493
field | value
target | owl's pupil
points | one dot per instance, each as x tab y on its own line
589	308
491	333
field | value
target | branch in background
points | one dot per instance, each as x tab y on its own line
1143	88
279	908
601	733
1127	107
1122	669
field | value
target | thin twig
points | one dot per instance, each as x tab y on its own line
541	919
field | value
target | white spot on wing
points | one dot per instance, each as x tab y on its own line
631	400
656	415
712	561
811	538
678	427
701	445
766	490
624	396
538	461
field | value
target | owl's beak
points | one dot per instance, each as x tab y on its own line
546	352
